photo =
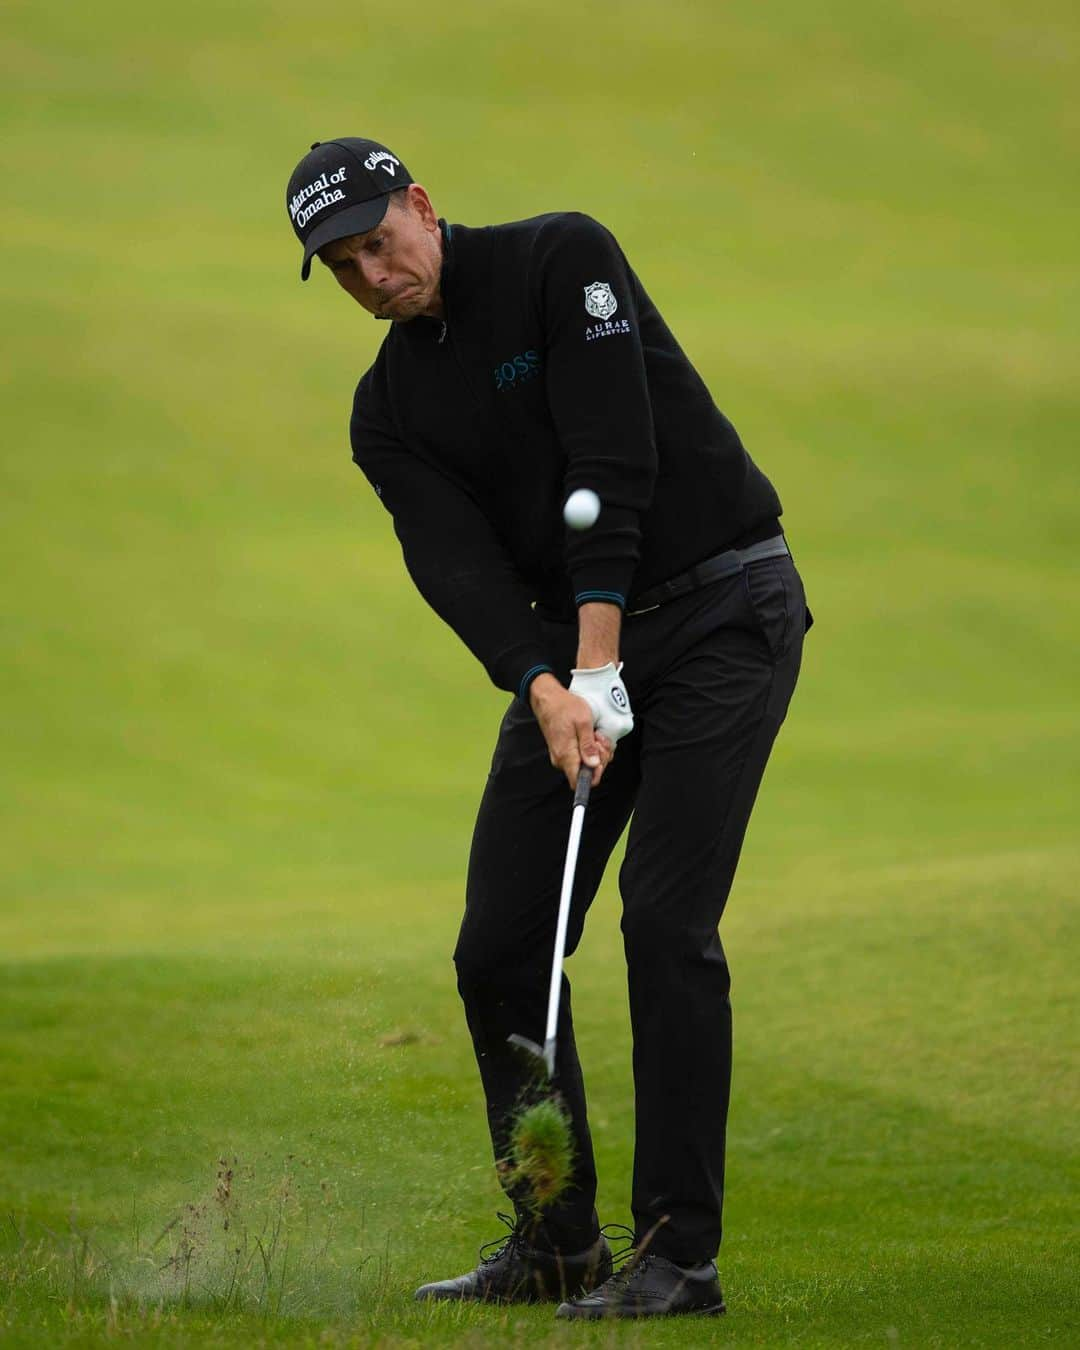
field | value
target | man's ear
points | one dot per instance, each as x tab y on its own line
420	202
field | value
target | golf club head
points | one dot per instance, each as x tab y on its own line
523	1043
535	1052
545	1054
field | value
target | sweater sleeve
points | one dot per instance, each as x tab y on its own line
451	552
599	399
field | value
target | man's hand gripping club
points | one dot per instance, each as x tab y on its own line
582	724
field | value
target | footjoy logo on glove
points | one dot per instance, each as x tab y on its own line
618	697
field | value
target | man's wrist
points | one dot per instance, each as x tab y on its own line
543	687
595	657
599	626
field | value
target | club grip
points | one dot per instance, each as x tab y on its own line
584	786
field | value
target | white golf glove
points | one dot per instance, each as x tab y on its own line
604	692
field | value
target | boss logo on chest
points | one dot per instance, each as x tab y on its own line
517	370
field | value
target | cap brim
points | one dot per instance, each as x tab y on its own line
353	220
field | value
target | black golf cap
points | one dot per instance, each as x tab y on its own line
341	187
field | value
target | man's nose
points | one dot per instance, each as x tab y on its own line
373	273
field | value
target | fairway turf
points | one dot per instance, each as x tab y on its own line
241	759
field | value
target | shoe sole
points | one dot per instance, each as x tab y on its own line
428	1295
433	1294
603	1314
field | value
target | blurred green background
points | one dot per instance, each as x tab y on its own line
241	759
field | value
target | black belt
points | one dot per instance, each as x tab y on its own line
705	573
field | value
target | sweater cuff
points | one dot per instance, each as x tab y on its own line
515	667
525	684
601	597
606	582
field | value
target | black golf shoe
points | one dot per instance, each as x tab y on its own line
518	1273
651	1286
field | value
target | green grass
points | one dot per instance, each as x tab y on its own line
241	760
541	1152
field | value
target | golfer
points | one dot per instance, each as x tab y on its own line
661	646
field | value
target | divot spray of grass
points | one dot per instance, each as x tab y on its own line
541	1147
542	1152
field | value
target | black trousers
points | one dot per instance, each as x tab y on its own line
710	676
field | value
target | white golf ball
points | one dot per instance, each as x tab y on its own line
581	509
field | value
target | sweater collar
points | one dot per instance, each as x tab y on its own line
446	274
464	280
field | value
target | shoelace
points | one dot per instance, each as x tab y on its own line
618	1232
515	1238
613	1232
626	1272
632	1258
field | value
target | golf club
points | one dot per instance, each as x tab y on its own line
577	819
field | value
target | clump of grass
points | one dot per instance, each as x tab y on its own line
541	1152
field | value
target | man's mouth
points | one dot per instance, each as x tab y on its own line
389	305
386	300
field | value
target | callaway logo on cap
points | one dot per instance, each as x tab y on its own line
342	187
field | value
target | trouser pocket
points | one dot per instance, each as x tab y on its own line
777	603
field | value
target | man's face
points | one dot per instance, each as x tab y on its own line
393	270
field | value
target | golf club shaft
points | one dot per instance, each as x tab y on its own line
577	820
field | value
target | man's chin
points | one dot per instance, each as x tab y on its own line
401	309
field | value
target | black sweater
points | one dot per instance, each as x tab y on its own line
553	371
